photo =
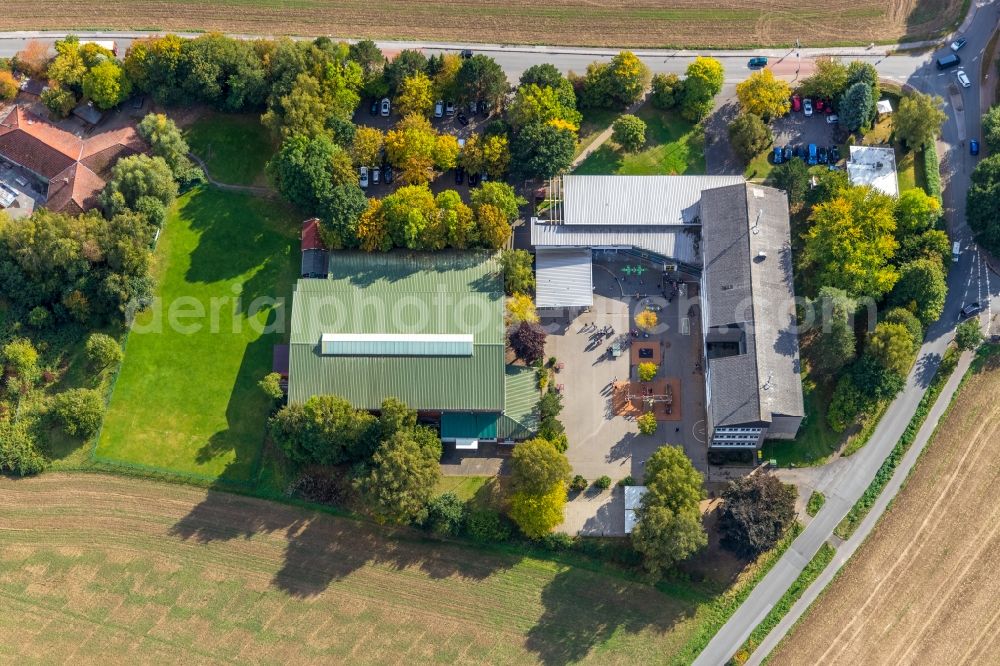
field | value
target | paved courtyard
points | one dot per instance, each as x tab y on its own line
601	442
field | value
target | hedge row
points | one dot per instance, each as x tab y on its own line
932	171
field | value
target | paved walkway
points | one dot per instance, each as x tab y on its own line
604	136
847	549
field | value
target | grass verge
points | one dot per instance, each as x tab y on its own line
864	504
234	147
673	146
809	574
815	503
186	399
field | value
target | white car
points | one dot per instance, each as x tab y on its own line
386	105
449	108
832	119
438	109
363	180
807	107
963	78
376	172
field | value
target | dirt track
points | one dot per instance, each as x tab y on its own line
924	587
103	569
650	23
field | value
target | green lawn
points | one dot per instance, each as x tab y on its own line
465	487
673	146
594	122
235	147
815	441
186	399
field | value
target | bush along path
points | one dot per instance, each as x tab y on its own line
605	135
247	189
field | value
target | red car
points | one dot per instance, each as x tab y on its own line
829	107
796	103
819	105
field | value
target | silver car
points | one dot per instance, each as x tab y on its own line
963	78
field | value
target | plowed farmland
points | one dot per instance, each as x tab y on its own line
109	569
650	23
923	588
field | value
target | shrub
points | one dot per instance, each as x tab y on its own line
557	541
80	411
103	351
845	406
629	132
603	482
816	502
445	515
932	171
647	423
18	453
39	317
647	371
486	526
627	481
667	89
271	386
969	334
578	484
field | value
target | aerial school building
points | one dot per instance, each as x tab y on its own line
731	236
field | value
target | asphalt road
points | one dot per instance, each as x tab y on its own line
968	278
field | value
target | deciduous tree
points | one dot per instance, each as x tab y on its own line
792	177
8	86
983	202
829	81
756	512
917	121
415	95
306	170
835	344
665	537
991	129
538	514
536	466
80	411
542	150
106	85
763	95
892	346
647	371
629	132
103	351
969	334
518	276
922	289
702	82
405	470
667	91
481	79
139	176
749	136
647	423
916	212
367	146
493	228
527	341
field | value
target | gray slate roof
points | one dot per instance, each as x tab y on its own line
754	290
564	278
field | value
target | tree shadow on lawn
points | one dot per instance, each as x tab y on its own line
321	548
603	161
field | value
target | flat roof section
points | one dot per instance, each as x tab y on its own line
874	166
564	278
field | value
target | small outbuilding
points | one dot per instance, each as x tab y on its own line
633	498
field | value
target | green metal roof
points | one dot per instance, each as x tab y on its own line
463	425
402	293
520	417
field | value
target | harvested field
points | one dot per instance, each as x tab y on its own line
112	569
923	587
650	23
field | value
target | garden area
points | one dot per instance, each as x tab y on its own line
234	147
673	146
186	400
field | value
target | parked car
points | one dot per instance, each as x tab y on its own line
787	153
813	154
449	108
483	177
956	251
387	175
796	103
386	106
473	179
757	62
374	109
438	109
832	119
363	180
828	107
777	156
963	78
950	60
834	154
463	119
800	152
823	157
807	107
819	105
466	53
459	175
959	43
970	309
473	107
973	146
376	175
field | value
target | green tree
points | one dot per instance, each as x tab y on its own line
917	121
445	515
916	212
672	480
59	101
371	60
542	151
271	386
80	411
481	79
921	288
536	466
628	78
500	195
665	537
305	170
167	142
834	345
535	104
851	243
139	176
932	244
983	202
792	177
415	95
910	321
702	82
546	75
412	219
326	430
68	67
865	72
892	346
518	275
457	219
856	106
21	361
991	129
106	85
340	211
756	512
405	470
18	450
647	423
829	81
647	371
667	91
969	334
103	351
407	63
367	146
763	95
749	136
538	514
629	132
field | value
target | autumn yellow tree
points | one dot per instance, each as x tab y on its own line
367	145
763	95
494	229
520	307
646	320
416	95
373	234
411	148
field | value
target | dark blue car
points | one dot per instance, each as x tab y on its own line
973	147
813	155
778	156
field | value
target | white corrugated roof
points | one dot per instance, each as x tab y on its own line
635	200
564	278
676	243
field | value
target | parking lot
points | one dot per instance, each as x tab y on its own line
796	129
603	434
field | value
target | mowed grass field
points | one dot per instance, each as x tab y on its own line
186	399
673	146
235	148
115	569
649	23
923	588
